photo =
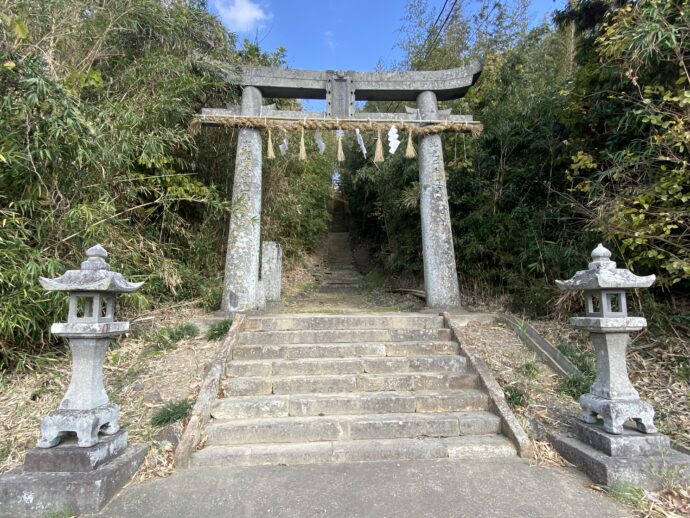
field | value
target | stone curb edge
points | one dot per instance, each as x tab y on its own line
201	413
532	339
509	423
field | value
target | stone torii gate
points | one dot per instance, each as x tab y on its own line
341	90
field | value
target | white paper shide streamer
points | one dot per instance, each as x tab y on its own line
360	141
393	140
283	147
319	142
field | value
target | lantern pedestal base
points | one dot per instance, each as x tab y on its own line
69	457
644	460
25	493
616	412
87	424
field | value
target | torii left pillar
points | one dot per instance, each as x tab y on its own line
244	239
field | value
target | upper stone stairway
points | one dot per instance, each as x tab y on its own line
313	388
341	275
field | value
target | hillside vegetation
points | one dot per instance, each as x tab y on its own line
96	102
586	139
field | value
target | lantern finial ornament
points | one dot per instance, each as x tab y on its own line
601	258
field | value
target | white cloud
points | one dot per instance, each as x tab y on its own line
241	15
329	39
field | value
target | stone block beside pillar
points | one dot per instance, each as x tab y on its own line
271	270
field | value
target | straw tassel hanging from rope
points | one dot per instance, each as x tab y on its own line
378	155
270	154
302	149
409	150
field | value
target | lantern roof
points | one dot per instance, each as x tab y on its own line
603	274
94	275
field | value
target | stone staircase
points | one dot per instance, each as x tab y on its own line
316	388
341	275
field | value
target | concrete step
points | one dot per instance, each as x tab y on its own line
343	428
308	336
409	381
476	446
354	403
371	365
344	350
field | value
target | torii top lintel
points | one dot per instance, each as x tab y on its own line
342	88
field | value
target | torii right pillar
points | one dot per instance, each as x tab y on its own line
440	273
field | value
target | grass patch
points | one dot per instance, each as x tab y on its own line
529	370
166	338
171	412
219	329
627	493
583	360
183	332
574	385
211	297
515	396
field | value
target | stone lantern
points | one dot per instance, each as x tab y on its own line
612	396
85	408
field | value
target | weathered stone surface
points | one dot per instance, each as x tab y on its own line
242	260
451	401
39	493
314	384
388	449
384	365
68	457
87	424
237	368
341	404
630	443
368	86
438	363
247	386
609	325
420	348
274	430
349	394
271	270
250	407
651	471
478	423
440	273
311	367
264	454
603	274
402	426
170	434
341	336
478	446
334	350
94	276
616	412
86	390
510	426
259	352
326	321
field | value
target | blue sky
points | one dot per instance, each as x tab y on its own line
331	34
